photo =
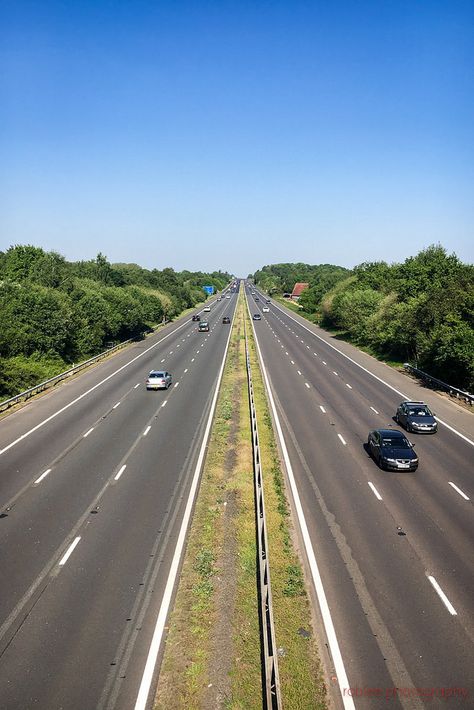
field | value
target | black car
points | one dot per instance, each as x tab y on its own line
257	316
203	327
417	417
226	319
196	316
391	450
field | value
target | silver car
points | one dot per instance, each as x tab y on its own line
158	380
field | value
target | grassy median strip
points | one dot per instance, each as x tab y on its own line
212	657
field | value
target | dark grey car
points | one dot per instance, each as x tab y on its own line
391	450
417	417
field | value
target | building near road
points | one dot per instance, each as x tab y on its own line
298	290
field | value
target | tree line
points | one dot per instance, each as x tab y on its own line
54	313
420	311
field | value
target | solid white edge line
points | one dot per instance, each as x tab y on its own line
347	701
43	475
69	552
146	430
88	432
458	490
443	596
120	472
84	394
374	410
166	601
394	389
342	439
374	490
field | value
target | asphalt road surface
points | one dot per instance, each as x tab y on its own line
394	550
94	480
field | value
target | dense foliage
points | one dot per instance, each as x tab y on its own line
54	313
421	310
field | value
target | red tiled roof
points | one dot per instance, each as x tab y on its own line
298	289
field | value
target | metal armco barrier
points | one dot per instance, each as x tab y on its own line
438	384
272	695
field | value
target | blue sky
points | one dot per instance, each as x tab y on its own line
206	135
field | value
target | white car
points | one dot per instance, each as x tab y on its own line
266	309
207	309
158	380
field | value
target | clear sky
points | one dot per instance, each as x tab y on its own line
217	134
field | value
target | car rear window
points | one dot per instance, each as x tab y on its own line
157	374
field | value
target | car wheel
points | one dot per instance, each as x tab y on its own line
397	418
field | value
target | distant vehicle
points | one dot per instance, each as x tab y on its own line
196	316
257	316
226	319
416	417
391	450
228	295
158	380
257	298
267	300
203	326
207	309
266	309
219	298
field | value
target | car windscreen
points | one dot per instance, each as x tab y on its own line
399	442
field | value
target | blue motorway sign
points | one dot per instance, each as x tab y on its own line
208	289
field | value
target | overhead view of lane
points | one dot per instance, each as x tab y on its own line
89	526
395	547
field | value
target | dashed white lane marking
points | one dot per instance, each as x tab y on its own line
342	439
69	551
171	352
176	384
458	490
116	405
374	410
299	372
137	385
334	373
192	359
292	362
119	473
43	475
146	430
286	353
322	409
324	363
178	345
374	490
164	403
315	354
186	370
443	596
308	347
162	360
348	385
88	432
307	385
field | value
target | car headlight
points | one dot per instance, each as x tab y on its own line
390	460
414	460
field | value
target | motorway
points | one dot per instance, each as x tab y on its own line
394	550
94	483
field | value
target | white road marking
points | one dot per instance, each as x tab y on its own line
292	362
308	347
69	551
324	363
116	405
342	439
162	360
443	596
340	671
155	645
322	409
347	385
299	372
458	490
186	370
379	379
146	430
334	373
171	352
137	385
375	491
43	475
88	432
374	410
307	385
316	354
120	471
164	403
176	384
192	359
